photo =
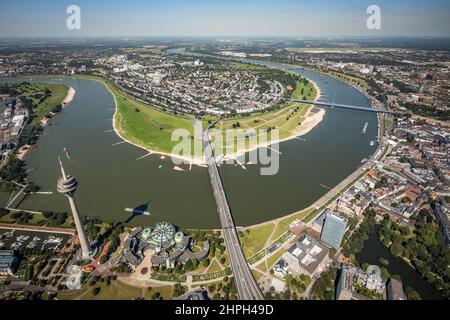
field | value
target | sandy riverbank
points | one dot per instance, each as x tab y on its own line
21	152
311	120
69	97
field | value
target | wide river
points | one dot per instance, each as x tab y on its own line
112	179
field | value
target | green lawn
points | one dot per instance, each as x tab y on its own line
253	239
114	291
256	275
283	224
287	120
220	256
213	267
147	126
388	121
197	248
262	266
309	91
165	292
274	258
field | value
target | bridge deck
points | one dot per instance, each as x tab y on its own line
342	106
246	285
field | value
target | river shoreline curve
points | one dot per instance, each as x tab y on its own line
311	120
22	151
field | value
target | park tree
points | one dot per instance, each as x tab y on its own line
385	273
211	288
155	296
397	248
95	291
178	290
205	263
31	187
195	263
188	265
412	294
332	253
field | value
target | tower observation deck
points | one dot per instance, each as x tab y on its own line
67	185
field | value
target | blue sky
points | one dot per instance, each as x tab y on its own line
224	18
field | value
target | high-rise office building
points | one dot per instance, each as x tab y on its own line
333	229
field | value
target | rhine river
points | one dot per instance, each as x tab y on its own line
112	179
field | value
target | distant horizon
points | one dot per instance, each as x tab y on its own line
270	37
232	18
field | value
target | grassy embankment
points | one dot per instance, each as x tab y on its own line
145	125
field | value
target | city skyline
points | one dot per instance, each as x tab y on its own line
213	18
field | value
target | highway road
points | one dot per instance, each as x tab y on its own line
246	285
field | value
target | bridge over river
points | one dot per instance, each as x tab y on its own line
343	106
247	287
